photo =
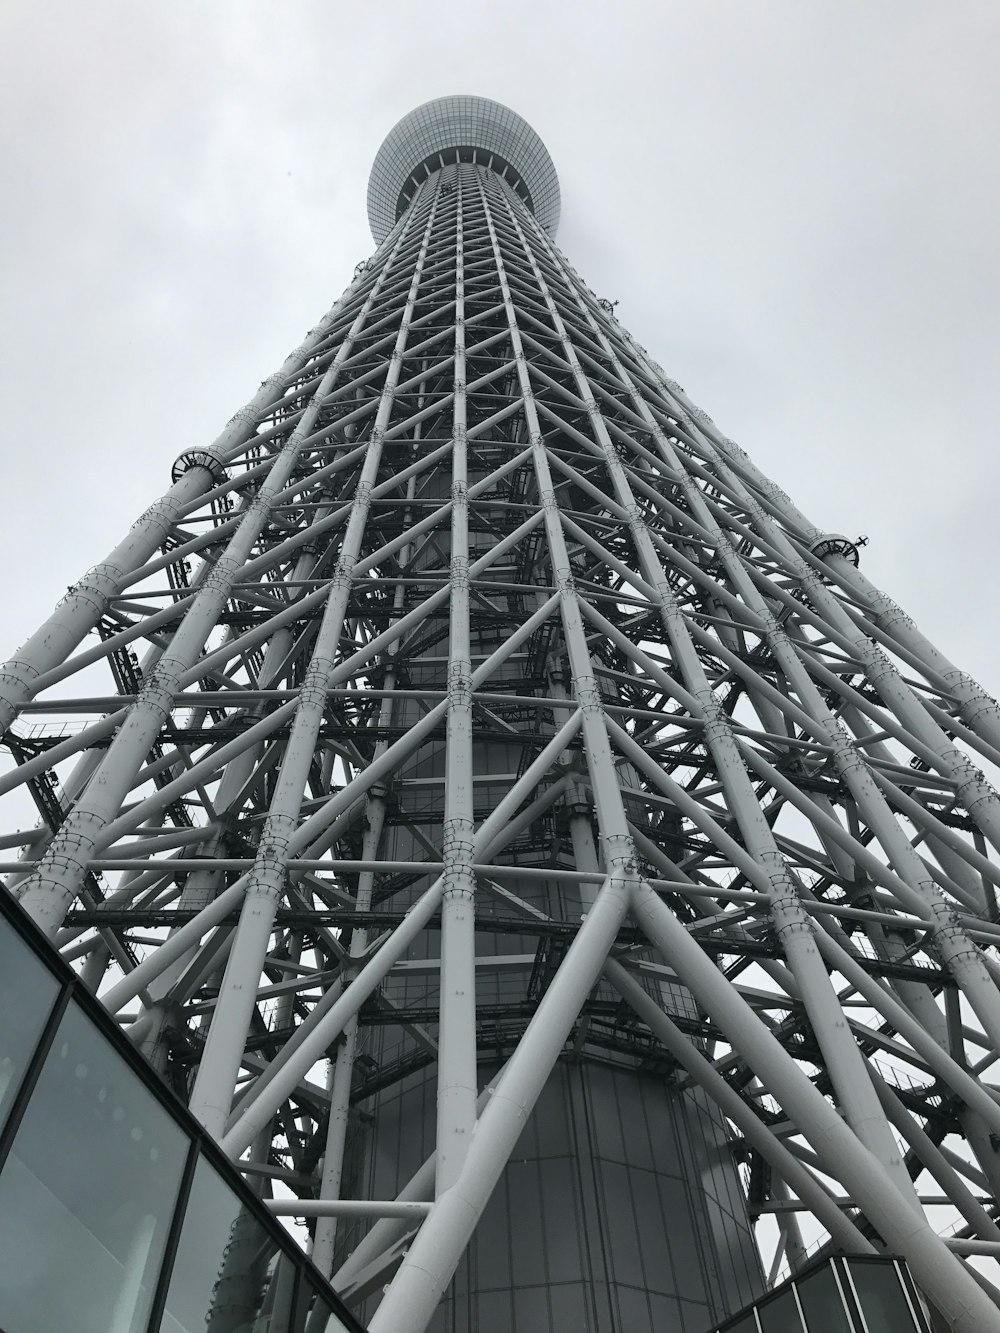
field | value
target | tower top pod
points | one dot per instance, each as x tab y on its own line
466	129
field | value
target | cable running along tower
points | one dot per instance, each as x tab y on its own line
521	836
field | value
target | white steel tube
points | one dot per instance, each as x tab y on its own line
428	1267
456	1082
88	599
50	889
944	1279
244	1128
212	1095
791	922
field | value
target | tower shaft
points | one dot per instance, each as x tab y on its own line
474	729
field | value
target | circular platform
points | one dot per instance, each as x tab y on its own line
465	128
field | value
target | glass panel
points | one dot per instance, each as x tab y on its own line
568	1307
27	993
746	1325
495	1312
821	1303
229	1275
881	1296
87	1193
780	1314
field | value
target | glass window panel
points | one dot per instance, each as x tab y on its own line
633	1309
550	1117
531	1310
821	1303
633	1120
654	1237
604	1108
685	1228
881	1296
527	1252
780	1314
492	1245
667	1314
87	1192
569	1307
746	1325
693	1317
229	1274
619	1218
561	1220
27	993
495	1312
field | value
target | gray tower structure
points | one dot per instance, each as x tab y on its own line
534	851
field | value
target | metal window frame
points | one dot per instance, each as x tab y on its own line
851	1305
200	1143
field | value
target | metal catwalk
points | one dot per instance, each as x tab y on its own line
472	724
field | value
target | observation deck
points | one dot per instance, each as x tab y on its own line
460	129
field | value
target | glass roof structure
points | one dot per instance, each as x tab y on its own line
463	128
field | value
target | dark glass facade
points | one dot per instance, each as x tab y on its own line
621	1209
116	1215
857	1294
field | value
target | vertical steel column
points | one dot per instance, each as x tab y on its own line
792	923
959	952
318	825
428	1266
940	1273
457	1082
615	839
211	1098
341	1075
325	1235
293	1065
387	1231
203	885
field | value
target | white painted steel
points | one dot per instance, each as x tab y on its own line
467	585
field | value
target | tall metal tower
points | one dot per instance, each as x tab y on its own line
528	843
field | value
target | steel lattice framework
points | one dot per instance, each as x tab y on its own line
470	625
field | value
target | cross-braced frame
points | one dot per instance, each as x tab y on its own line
472	684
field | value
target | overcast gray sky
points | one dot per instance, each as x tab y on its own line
796	203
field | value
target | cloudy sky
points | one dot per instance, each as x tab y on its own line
796	203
